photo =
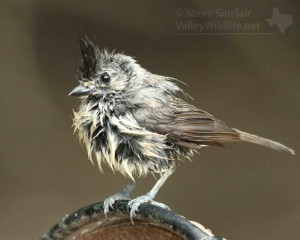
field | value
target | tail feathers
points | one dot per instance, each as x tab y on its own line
247	137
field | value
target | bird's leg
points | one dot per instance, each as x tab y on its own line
148	197
123	195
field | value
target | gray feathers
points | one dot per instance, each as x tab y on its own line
135	123
243	136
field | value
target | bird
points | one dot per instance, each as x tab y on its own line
134	121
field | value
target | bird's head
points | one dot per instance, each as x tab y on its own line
102	73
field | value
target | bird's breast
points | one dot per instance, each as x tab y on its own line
121	143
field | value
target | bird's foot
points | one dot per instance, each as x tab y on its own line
108	202
135	203
162	205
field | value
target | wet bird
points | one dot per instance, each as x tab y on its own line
133	121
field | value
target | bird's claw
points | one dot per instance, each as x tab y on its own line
134	204
108	202
162	205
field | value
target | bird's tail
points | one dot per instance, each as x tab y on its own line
247	137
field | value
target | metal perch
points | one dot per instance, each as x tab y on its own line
151	222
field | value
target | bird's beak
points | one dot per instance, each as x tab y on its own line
80	91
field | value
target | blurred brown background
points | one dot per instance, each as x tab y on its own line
251	81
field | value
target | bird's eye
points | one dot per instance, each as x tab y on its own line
105	78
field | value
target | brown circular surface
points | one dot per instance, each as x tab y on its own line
121	229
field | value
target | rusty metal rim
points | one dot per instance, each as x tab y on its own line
147	212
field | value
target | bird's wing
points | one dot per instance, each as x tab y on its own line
185	125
